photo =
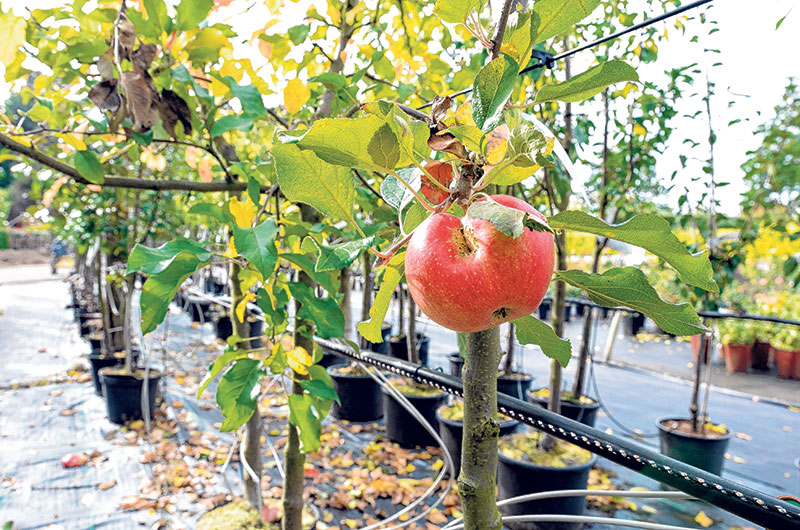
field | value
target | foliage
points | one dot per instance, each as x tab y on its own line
735	331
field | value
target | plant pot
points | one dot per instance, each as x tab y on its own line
580	309
256	329
123	393
514	385
634	322
787	363
199	308
695	341
567	312
213	287
402	427
331	358
360	397
398	348
760	356
515	478
585	413
97	363
452	433
86	322
737	357
96	343
383	346
456	364
544	310
704	452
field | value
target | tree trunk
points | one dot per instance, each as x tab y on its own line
294	460
251	440
411	336
345	288
401	325
583	356
476	482
366	294
508	365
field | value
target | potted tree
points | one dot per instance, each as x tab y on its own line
785	346
737	338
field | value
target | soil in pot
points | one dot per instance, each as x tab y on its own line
451	429
760	356
704	450
524	468
737	357
383	345
787	363
401	426
359	394
456	364
514	384
123	393
238	515
583	410
398	348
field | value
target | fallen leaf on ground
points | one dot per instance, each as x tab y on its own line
703	520
74	460
107	485
68	412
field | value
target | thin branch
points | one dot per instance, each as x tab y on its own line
365	183
122	182
497	42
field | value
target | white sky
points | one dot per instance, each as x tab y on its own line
757	61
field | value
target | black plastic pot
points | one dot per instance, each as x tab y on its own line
383	346
456	364
516	478
583	413
452	433
544	310
567	312
698	451
580	309
360	397
634	322
98	362
331	358
402	427
123	394
514	386
256	330
223	327
760	356
398	348
96	343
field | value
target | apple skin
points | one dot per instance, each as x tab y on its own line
468	276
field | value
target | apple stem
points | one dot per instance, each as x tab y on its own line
477	480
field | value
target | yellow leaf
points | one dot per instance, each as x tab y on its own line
241	306
230	252
334	14
72	141
12	29
639	130
243	211
248	278
703	520
298	360
295	95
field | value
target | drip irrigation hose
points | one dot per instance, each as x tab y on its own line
748	503
588	519
556	494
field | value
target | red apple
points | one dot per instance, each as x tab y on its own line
468	276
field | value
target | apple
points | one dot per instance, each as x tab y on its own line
468	276
443	173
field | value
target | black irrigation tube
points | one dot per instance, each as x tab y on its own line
745	502
547	60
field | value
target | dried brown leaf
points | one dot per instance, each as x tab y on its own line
140	99
104	94
143	56
173	109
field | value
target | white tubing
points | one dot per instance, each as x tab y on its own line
585	519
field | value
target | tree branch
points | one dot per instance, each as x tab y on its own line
497	42
122	182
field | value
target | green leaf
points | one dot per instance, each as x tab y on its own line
455	11
159	289
415	216
330	79
395	193
530	330
306	264
157	12
190	13
237	393
88	166
275	310
585	85
491	89
307	423
258	245
469	135
155	260
298	34
254	190
553	17
241	122
304	177
510	221
215	211
652	233
628	287
337	257
250	98
325	313
392	274
320	389
219	364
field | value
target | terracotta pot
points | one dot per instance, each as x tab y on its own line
787	362
737	357
696	349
